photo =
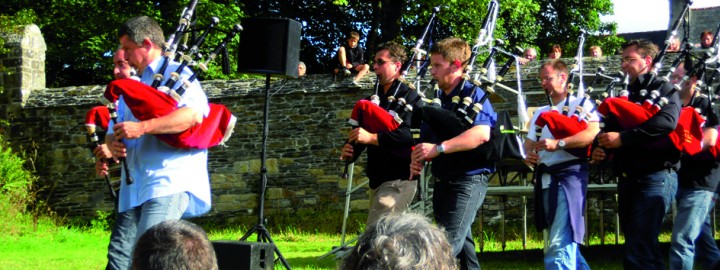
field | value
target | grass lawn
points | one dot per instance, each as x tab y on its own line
67	248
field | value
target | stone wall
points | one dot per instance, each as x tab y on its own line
307	124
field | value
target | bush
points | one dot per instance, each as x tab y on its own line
16	190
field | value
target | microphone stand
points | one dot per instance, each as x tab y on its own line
262	233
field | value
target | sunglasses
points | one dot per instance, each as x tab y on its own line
381	62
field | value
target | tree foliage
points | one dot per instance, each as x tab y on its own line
81	34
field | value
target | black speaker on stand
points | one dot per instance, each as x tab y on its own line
269	46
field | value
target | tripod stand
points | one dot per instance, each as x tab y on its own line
262	233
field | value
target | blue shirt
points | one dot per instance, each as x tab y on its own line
158	169
456	164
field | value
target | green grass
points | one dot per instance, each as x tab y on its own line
52	247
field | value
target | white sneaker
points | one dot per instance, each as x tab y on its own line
346	72
355	84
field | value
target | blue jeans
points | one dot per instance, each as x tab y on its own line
455	204
692	210
562	252
121	242
643	203
706	250
131	224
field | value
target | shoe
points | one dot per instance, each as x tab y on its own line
346	72
354	84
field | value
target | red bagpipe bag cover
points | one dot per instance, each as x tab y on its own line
687	136
372	117
147	103
563	126
98	116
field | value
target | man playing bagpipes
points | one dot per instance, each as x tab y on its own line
462	179
123	234
561	177
388	144
646	168
698	179
170	182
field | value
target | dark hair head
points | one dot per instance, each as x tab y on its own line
139	28
396	51
174	244
644	47
555	47
354	34
705	33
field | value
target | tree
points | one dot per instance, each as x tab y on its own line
81	35
81	38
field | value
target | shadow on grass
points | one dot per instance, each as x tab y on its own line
597	256
311	263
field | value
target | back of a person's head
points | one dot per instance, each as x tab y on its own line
176	245
402	242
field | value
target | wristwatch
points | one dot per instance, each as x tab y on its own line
561	144
439	148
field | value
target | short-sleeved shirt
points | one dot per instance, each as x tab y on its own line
159	170
696	172
456	164
559	156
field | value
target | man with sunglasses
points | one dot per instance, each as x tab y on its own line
388	152
646	167
461	179
562	176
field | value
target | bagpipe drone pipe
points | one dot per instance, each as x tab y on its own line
447	123
369	115
98	116
619	114
710	57
563	125
147	102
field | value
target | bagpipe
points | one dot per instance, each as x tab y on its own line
699	69
619	113
98	116
147	102
369	115
563	125
447	124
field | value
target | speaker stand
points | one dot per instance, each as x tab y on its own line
262	233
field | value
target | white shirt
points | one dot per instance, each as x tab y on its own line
158	169
558	156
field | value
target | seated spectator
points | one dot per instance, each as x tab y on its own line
555	52
350	57
530	54
401	241
706	39
301	69
174	244
674	45
595	51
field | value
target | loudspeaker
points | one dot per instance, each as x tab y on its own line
244	255
269	46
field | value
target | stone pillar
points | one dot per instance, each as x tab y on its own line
23	65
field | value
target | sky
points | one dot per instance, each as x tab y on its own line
655	15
